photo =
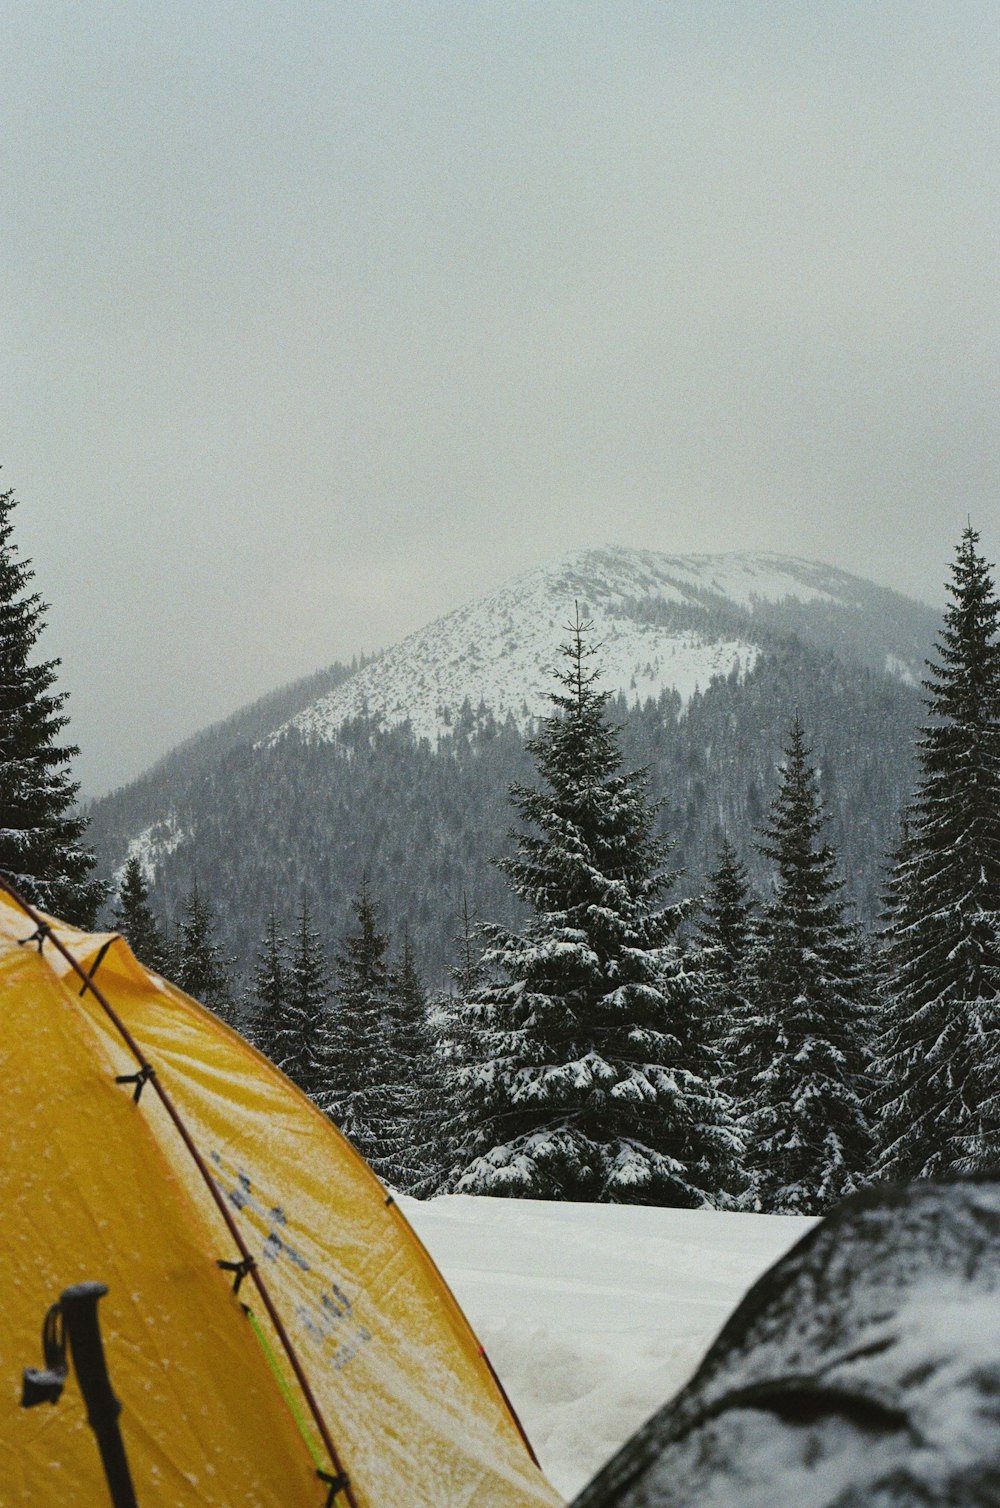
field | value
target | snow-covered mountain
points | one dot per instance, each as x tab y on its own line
347	773
663	622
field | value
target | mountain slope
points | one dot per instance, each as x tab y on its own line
664	622
400	769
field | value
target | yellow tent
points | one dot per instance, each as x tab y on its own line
328	1348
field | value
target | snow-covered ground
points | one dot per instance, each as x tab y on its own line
593	1315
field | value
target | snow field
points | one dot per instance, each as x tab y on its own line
593	1314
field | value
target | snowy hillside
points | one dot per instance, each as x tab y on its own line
594	1315
498	652
260	818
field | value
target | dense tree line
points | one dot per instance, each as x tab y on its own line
810	1057
260	823
610	1038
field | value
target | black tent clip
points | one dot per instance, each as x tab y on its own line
146	1072
336	1484
40	934
45	1384
240	1270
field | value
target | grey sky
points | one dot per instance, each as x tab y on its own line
321	318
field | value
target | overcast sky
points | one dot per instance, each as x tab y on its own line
322	318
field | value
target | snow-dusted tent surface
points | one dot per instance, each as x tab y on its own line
862	1368
98	1184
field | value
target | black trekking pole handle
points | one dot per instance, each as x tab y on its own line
79	1310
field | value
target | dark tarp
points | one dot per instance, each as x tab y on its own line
862	1369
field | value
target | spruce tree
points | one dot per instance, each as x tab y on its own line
269	992
466	974
725	939
202	967
299	1034
411	1111
449	1036
579	1076
41	848
938	1077
725	936
808	1129
134	918
358	1066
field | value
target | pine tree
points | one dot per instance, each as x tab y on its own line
41	849
299	1038
449	1037
133	917
202	968
938	1076
358	1054
809	1134
269	991
725	936
578	1076
411	1110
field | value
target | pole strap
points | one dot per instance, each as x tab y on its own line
336	1484
40	935
97	964
140	1079
240	1270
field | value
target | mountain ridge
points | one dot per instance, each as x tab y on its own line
496	653
388	769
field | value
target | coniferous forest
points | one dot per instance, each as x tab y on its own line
744	954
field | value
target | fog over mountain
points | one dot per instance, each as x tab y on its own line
322	319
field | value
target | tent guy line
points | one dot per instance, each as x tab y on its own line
337	1480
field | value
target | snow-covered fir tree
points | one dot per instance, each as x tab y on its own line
448	1038
268	994
466	973
41	847
299	1019
135	919
357	1061
411	1112
202	968
725	938
809	1137
725	935
938	1057
578	1074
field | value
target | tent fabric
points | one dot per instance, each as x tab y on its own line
98	1187
863	1368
